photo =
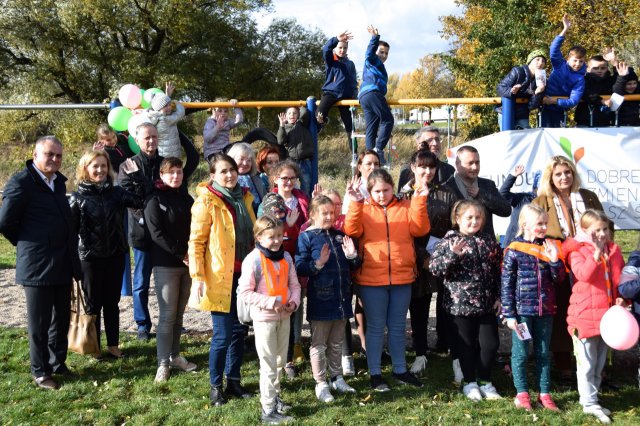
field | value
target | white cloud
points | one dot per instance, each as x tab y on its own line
410	26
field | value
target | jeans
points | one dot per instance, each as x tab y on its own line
326	349
591	355
553	118
386	306
477	343
227	342
48	313
378	120
101	284
173	286
141	283
540	329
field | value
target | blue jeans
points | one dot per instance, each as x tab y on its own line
227	342
553	118
141	283
378	120
540	329
386	306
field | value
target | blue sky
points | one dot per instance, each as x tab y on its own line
411	27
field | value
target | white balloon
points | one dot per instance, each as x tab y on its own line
135	121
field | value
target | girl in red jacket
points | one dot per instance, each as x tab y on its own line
596	264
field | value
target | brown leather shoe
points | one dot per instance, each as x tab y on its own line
46	382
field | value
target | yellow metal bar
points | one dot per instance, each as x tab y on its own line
354	102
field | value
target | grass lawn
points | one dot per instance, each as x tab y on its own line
122	391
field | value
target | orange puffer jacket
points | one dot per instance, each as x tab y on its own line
589	295
385	239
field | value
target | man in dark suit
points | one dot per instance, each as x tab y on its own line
467	185
428	137
35	217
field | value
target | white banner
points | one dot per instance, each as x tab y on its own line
607	159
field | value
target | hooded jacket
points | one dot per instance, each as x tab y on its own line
296	138
589	295
520	75
563	80
630	282
374	75
341	77
629	111
591	107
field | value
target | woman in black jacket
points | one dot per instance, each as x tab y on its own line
167	214
97	208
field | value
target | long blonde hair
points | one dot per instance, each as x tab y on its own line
546	183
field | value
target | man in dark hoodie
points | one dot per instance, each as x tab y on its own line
593	111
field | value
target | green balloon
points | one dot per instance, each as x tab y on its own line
133	145
143	102
118	118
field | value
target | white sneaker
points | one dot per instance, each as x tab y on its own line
181	363
341	386
600	413
471	391
419	365
162	375
323	393
348	369
458	377
489	391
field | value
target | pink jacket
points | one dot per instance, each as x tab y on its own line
589	299
256	295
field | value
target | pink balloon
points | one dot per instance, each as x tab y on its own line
619	328
130	96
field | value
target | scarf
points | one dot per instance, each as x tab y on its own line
536	250
243	225
462	186
270	254
569	216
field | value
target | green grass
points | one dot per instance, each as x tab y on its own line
122	391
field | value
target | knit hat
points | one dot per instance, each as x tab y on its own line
535	53
159	101
273	205
632	76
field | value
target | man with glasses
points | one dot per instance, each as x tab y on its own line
36	218
428	137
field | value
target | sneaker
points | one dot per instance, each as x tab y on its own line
290	370
598	412
181	363
348	368
523	401
144	335
338	384
545	401
323	393
281	406
162	375
472	391
407	378
419	365
458	377
298	354
217	396
377	384
274	418
489	391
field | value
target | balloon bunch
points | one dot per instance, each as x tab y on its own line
128	113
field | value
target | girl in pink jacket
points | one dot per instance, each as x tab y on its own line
269	284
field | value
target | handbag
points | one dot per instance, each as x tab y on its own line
83	336
243	309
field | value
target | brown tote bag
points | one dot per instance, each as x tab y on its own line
83	336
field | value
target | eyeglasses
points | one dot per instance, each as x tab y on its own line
287	178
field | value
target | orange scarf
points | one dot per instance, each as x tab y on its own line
536	250
277	281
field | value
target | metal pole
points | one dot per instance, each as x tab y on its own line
53	106
313	128
508	114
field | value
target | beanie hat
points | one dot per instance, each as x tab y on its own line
632	76
273	205
159	101
535	53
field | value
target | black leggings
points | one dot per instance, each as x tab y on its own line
326	102
419	312
477	342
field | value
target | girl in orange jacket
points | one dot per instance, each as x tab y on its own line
385	228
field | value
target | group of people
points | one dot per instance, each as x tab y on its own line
578	83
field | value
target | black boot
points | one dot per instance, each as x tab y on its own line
234	388
216	396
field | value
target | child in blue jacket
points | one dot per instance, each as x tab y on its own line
377	114
340	82
531	269
326	256
566	79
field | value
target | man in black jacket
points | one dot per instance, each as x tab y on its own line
137	174
427	137
467	185
35	217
